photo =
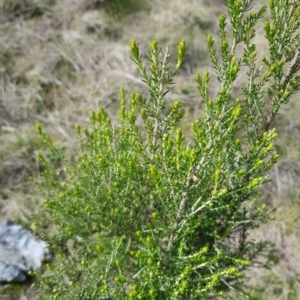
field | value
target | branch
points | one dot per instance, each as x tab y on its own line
162	80
294	66
188	184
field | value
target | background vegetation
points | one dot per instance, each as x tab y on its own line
60	59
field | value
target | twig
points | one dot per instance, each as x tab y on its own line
188	183
294	66
160	97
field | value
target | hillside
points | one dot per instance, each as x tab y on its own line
59	59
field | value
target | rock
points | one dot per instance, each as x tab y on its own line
20	252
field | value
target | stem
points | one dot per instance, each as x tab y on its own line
160	98
294	65
232	49
178	218
188	183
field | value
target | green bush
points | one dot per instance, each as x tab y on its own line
118	8
28	9
145	214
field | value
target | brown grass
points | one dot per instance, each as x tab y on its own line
60	59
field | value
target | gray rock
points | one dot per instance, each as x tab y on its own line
20	252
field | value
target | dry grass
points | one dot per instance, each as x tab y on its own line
60	59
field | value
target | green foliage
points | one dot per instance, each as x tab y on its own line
119	8
144	214
28	9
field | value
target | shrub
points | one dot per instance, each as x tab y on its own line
118	8
145	214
